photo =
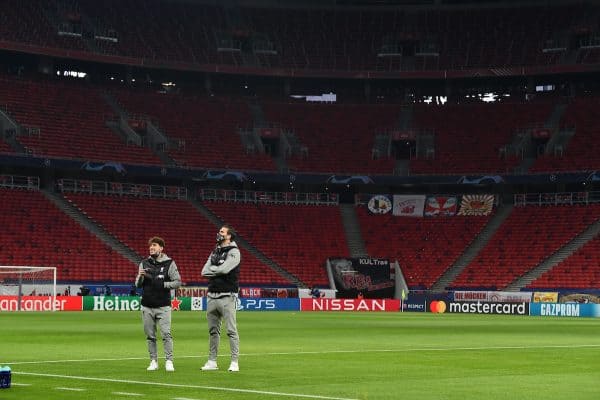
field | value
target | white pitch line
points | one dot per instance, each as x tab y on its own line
70	389
78	360
183	398
20	384
127	394
418	349
174	385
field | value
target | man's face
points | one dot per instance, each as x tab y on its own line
155	249
224	232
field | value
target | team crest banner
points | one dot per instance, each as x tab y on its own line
409	206
440	206
476	204
380	204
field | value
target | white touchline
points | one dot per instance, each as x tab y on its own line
215	388
70	389
474	348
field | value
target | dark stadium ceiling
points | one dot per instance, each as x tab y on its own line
380	3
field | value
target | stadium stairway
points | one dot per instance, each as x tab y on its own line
356	244
406	117
123	114
208	214
259	120
5	123
556	258
65	206
474	248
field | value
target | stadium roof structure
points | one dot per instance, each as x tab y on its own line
314	4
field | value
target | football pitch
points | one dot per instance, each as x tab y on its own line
305	355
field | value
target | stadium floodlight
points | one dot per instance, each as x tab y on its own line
22	281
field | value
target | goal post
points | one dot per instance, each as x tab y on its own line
23	281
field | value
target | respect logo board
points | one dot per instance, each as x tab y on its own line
415	303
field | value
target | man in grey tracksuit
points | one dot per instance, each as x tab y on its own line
223	270
157	275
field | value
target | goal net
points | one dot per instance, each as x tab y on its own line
23	281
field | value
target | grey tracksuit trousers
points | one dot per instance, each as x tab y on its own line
217	310
161	317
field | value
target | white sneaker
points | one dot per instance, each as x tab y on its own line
234	367
169	366
153	366
210	366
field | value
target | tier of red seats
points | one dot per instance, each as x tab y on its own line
468	137
424	247
70	117
299	238
578	271
37	233
5	147
209	127
188	235
28	22
582	151
322	39
528	236
338	138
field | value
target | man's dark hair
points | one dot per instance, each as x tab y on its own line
158	240
230	231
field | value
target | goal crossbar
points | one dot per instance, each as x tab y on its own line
23	280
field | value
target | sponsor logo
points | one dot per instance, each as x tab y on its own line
325	304
197	304
469	296
257	304
413	306
480	308
559	310
110	303
175	303
270	304
251	292
40	303
437	306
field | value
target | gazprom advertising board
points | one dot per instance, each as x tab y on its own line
565	310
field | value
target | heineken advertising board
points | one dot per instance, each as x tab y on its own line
133	303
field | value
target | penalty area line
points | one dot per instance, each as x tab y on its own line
175	385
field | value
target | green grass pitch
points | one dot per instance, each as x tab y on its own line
294	355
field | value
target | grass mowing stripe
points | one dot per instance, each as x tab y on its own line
174	385
476	348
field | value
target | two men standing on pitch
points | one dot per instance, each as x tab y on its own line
157	276
223	270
